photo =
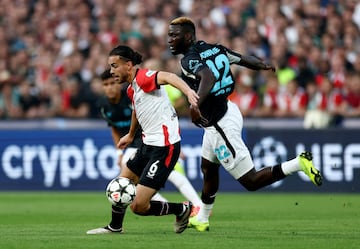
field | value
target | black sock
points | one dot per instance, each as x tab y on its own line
117	217
158	208
207	199
277	172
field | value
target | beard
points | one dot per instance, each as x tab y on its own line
180	47
119	79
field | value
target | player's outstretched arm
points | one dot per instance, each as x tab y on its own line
164	78
255	63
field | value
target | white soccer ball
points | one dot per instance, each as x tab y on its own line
121	191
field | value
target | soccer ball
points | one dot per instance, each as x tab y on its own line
121	191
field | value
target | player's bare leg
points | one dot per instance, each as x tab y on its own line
254	180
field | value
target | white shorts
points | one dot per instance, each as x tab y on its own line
223	144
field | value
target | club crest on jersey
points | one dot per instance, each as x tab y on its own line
194	65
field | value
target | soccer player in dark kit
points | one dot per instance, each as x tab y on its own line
206	69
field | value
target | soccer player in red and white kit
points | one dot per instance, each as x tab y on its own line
157	156
116	108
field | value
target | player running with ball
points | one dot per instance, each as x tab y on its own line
116	109
157	156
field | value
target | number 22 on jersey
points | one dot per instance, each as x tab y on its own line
223	81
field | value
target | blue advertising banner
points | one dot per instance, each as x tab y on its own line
336	152
85	159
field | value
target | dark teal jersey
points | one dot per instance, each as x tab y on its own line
218	58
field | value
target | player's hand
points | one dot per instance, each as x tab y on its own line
197	118
125	141
193	97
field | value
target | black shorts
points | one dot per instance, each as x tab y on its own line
154	164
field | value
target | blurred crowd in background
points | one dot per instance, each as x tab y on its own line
52	53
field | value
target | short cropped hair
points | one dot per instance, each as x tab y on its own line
184	22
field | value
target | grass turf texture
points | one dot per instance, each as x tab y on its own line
245	220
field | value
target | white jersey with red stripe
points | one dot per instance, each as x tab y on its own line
156	115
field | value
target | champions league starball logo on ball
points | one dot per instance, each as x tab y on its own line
269	152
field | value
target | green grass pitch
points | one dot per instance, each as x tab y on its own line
52	220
